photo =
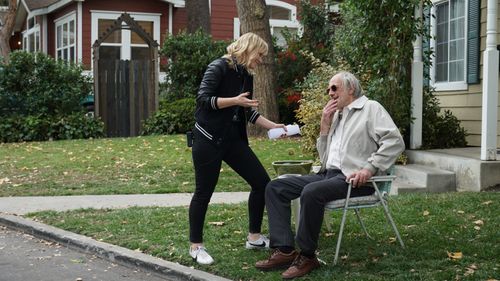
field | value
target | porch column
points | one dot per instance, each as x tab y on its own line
417	77
490	87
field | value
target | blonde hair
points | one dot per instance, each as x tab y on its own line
244	47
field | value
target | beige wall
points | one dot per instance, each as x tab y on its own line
466	105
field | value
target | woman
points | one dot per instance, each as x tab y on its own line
223	107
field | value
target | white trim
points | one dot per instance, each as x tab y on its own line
62	21
447	86
170	18
79	27
274	23
45	30
49	9
96	15
29	31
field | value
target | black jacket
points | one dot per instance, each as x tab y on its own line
223	80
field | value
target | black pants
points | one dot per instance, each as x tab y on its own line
207	160
314	192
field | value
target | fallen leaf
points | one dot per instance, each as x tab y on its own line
477	227
455	255
487	203
392	239
328	234
216	223
185	183
479	222
426	213
461	212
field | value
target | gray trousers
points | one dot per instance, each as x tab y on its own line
314	192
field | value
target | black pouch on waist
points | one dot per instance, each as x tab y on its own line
189	138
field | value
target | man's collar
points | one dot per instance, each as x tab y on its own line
358	103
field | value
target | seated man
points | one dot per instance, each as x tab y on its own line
357	139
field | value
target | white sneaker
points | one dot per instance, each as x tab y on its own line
200	255
261	243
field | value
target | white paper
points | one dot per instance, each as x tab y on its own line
279	132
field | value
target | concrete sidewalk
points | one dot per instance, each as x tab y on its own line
12	207
24	205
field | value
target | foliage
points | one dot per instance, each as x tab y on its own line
43	127
440	129
172	118
312	103
34	83
189	55
40	99
319	29
376	42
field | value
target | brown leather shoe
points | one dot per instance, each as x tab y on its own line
301	266
277	260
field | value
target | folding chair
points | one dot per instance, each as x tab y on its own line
382	186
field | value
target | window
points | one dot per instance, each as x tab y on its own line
282	16
124	44
449	44
65	38
31	37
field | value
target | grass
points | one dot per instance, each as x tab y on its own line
433	227
153	164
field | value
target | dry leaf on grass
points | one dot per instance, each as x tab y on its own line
487	202
479	222
426	213
455	255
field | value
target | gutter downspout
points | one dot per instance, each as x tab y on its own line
490	87
417	77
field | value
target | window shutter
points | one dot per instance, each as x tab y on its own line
426	45
473	41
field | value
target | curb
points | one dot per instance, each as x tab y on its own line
113	253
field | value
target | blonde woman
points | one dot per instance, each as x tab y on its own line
224	105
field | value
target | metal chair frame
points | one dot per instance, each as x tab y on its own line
378	198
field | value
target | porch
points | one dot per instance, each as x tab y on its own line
442	170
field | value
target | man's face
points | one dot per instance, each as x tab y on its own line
337	92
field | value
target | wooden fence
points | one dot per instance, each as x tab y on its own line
125	95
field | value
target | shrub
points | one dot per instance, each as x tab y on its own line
440	129
189	56
172	118
312	103
34	83
42	127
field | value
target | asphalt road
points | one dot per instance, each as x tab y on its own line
24	258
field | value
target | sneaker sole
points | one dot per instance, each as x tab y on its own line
249	246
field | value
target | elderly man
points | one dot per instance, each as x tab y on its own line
357	140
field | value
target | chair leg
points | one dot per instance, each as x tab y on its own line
391	221
339	239
362	224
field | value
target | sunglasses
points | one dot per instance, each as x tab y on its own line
332	88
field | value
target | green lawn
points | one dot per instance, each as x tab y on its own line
433	227
153	164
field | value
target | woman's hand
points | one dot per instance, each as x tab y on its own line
243	100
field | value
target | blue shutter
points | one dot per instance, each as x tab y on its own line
473	41
426	45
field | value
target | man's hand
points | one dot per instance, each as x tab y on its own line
360	177
327	115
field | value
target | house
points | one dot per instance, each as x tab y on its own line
464	71
66	29
465	76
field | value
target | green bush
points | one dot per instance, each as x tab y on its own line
189	56
440	129
42	127
172	118
312	103
34	83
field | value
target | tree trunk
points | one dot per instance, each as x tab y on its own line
198	14
254	17
6	30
